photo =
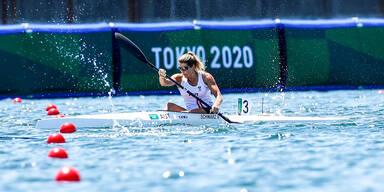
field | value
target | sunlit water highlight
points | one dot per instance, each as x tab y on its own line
326	156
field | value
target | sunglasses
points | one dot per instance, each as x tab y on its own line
184	68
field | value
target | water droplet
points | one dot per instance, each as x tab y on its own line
229	151
231	161
166	174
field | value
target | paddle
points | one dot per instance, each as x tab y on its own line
136	51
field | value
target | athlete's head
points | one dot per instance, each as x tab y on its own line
190	60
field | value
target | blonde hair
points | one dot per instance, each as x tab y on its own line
192	60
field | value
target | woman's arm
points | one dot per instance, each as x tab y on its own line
211	83
166	82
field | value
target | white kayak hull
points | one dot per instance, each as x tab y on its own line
164	118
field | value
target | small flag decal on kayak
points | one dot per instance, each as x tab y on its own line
153	116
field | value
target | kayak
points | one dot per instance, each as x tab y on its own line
168	118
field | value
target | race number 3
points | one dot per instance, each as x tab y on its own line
243	106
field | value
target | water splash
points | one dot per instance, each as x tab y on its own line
278	136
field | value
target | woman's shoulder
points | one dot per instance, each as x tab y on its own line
205	74
178	77
207	77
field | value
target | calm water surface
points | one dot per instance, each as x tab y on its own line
328	156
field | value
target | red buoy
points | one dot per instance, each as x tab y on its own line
50	106
55	138
67	173
67	128
59	116
58	152
53	111
17	100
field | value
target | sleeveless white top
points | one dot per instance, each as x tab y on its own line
201	90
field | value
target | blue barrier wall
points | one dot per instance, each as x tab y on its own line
46	60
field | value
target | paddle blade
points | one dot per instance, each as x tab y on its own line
130	47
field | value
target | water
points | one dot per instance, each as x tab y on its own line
328	156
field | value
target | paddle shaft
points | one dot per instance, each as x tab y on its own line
136	51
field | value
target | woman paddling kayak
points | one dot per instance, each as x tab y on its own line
195	79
